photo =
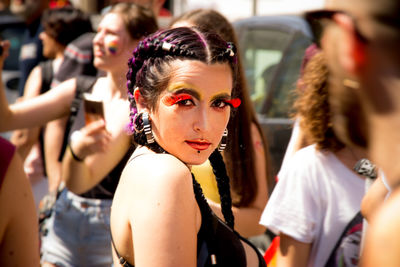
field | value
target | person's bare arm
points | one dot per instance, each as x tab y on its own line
382	243
24	139
247	218
18	220
53	138
38	110
100	149
373	199
292	253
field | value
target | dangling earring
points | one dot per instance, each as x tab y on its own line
224	140
351	83
147	128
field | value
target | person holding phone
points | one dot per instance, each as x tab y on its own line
78	229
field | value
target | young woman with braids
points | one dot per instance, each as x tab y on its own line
246	155
182	91
77	233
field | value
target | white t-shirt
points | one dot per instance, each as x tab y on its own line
315	198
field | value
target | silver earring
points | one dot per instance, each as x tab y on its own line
147	128
224	139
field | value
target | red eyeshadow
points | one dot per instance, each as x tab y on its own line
173	99
234	102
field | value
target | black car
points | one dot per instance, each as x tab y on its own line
272	49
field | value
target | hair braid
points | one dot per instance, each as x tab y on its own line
222	178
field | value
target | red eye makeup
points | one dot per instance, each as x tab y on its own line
173	99
235	102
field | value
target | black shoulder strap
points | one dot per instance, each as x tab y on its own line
47	75
84	84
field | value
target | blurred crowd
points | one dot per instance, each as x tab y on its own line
335	198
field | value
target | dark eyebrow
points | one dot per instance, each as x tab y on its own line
187	91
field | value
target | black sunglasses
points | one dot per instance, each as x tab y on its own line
317	20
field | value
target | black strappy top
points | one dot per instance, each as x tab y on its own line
217	243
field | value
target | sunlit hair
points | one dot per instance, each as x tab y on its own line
312	105
239	154
139	21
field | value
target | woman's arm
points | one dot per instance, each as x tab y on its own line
247	218
292	253
37	111
373	199
382	243
99	148
24	139
19	222
53	138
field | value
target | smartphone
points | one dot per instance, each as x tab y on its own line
93	108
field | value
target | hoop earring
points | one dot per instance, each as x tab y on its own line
224	140
147	128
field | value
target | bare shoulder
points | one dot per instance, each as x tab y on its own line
158	184
158	168
160	178
382	243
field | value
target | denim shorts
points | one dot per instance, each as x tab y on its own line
78	232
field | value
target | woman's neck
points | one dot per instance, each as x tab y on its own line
116	83
57	62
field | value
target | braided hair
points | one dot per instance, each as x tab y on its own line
149	70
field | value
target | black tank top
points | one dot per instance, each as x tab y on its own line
215	240
107	186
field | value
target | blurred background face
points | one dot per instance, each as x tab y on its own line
112	43
50	45
26	8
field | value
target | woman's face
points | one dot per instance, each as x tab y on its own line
50	45
112	44
193	111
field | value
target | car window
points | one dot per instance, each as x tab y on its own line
272	59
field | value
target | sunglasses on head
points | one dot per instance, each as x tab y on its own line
318	20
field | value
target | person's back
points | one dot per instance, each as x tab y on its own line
18	222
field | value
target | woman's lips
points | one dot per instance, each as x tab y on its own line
98	52
198	145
